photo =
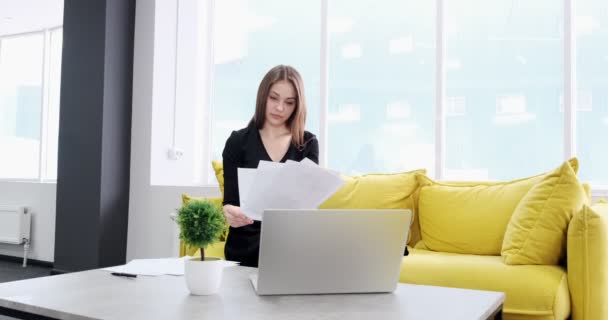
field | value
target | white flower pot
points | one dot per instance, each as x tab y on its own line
204	277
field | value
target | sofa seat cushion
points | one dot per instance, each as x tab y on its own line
532	291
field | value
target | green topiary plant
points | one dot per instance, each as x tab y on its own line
201	224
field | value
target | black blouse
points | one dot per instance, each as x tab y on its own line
244	149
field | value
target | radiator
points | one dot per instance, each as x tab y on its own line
15	222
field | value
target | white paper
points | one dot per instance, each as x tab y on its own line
157	267
152	267
265	175
292	185
311	185
246	179
263	164
306	161
309	162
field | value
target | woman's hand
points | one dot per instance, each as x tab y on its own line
235	216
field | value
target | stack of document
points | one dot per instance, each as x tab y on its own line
289	185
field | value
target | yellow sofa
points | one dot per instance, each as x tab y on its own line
576	287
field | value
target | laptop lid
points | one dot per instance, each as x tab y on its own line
331	251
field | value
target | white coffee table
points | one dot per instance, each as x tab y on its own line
96	294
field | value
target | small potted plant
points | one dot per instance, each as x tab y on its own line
201	224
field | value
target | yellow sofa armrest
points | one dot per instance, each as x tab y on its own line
588	262
214	250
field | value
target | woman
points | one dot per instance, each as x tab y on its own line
275	133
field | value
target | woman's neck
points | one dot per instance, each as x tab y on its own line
275	132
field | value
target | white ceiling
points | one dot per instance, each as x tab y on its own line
18	16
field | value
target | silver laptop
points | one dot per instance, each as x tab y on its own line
331	251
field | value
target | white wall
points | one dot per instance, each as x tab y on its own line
40	198
151	232
186	111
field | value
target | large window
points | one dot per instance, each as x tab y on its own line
504	78
21	105
468	90
250	37
592	98
381	86
29	105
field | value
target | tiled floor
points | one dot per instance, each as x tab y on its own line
12	271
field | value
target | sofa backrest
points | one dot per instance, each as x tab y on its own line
402	190
468	218
471	217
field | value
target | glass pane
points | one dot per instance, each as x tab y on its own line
20	105
504	82
251	37
381	86
54	86
592	106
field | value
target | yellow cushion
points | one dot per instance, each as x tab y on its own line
469	217
214	250
218	167
414	236
215	200
378	191
532	292
587	189
537	231
375	191
588	262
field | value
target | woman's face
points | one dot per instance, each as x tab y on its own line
280	104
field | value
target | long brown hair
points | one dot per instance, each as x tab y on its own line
297	120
